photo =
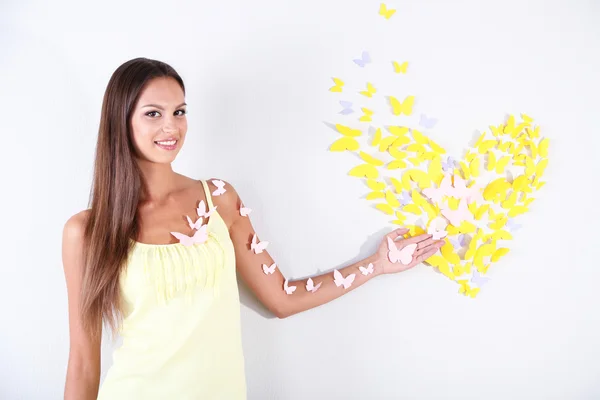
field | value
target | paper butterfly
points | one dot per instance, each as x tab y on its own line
220	187
370	90
269	270
310	286
200	236
400	68
478	279
201	210
367	115
405	198
461	190
427	123
445	189
194	225
448	164
244	211
459	241
510	224
466	289
288	289
258	247
437	234
364	60
404	255
338	85
340	280
456	217
405	107
385	12
368	270
347	107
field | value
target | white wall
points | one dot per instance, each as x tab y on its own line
257	75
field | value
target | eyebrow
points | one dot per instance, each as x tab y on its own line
157	106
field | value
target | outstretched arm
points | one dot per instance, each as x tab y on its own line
285	298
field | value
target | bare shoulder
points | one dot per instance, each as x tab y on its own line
75	226
73	237
226	199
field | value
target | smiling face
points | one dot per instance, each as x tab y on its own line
159	121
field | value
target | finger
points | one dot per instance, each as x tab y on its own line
433	246
416	239
425	256
397	232
425	243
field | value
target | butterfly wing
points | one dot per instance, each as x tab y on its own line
183	239
348	280
405	255
337	277
309	285
370	268
288	289
201	235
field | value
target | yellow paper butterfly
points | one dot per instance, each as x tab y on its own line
367	115
398	108
385	12
370	90
338	85
400	68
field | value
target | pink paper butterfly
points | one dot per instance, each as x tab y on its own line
220	187
200	236
340	280
445	189
244	211
437	233
310	286
194	225
404	255
258	247
269	270
456	217
288	289
201	210
470	194
368	270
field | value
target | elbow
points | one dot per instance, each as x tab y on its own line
282	312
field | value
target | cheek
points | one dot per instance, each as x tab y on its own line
141	134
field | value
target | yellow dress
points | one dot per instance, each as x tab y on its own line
181	330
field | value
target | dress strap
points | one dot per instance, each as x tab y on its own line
209	201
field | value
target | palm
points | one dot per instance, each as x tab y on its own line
424	247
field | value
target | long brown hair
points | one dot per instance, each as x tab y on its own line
115	194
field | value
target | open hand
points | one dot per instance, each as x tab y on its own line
413	250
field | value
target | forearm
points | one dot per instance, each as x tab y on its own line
82	382
302	299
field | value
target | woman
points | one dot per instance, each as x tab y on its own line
157	254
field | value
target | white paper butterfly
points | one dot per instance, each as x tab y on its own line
340	280
258	247
220	187
269	270
310	286
404	255
288	289
200	236
244	211
194	225
368	270
201	210
437	234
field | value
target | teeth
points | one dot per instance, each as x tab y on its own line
169	143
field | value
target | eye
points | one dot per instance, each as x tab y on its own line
184	112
